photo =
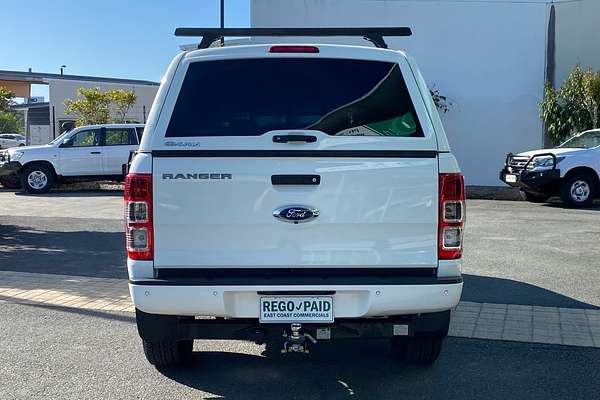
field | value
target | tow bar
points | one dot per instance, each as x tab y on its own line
295	341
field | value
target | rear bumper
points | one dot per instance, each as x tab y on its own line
350	301
9	168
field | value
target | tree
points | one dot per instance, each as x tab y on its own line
94	106
6	99
9	122
122	101
574	107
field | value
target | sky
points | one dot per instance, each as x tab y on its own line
114	38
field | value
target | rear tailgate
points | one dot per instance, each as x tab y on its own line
369	170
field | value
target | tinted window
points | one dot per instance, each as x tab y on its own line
86	138
140	132
120	136
250	97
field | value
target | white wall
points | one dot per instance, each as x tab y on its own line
61	89
487	56
577	36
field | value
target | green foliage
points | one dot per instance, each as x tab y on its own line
574	107
9	122
6	99
94	106
122	101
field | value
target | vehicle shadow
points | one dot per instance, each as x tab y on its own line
79	253
485	289
466	369
75	193
594	207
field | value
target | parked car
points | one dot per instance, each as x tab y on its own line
8	140
312	195
571	171
88	153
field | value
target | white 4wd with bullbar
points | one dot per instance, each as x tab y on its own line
294	193
571	171
87	153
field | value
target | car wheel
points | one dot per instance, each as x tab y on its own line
578	190
37	179
10	182
167	352
419	350
535	198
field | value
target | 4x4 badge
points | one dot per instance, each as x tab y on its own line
296	214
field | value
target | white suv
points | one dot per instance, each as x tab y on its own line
8	140
87	153
307	194
572	171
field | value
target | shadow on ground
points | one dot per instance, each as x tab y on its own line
485	289
78	193
490	370
78	253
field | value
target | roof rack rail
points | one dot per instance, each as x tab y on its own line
373	34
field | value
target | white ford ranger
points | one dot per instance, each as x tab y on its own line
87	153
294	192
572	170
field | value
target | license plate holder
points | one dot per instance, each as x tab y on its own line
289	309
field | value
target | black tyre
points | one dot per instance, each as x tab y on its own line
535	198
168	352
37	179
578	190
10	182
417	350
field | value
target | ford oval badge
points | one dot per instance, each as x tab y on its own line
296	214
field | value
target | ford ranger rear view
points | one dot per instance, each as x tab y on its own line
293	194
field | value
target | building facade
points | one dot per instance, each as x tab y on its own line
46	120
489	57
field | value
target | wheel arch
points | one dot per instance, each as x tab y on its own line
584	171
42	162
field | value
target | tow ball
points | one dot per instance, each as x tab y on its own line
296	340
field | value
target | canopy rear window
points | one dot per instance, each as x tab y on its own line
252	96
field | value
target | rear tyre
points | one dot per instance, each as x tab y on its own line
417	350
167	352
37	179
578	190
11	182
535	198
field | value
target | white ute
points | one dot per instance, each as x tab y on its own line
571	170
294	193
87	153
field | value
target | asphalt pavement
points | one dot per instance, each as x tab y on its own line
516	253
74	354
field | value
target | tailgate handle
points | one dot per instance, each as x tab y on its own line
294	138
295	179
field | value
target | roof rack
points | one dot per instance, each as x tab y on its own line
373	34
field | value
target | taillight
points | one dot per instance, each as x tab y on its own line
138	217
451	216
293	49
